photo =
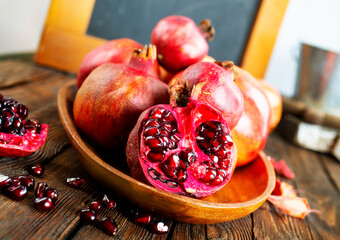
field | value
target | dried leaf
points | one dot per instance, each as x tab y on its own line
281	168
284	197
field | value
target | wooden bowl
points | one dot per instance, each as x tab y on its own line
247	190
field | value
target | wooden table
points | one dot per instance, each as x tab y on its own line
317	176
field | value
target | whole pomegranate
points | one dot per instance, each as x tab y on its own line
251	132
180	42
19	136
185	149
208	82
114	51
275	102
109	102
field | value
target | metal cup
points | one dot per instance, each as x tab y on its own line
318	82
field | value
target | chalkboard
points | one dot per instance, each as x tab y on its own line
245	29
135	19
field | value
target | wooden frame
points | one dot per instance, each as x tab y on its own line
66	25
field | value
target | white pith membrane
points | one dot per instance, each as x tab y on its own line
196	114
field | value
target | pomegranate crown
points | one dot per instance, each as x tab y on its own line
144	59
207	29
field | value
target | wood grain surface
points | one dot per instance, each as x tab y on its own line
317	179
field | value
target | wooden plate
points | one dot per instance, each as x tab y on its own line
247	190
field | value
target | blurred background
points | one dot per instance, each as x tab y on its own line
315	22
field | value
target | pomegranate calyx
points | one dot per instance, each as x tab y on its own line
179	94
144	59
207	29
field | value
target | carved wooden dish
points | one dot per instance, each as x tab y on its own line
247	190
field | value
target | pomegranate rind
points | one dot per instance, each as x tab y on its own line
138	163
114	51
21	146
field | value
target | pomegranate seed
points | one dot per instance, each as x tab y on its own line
108	225
37	170
87	216
44	204
51	193
33	126
153	142
27	181
209	176
181	175
143	219
152	123
217	181
75	182
5	181
158	227
168	117
108	202
17	193
95	206
16	182
40	190
151	131
157	112
155	156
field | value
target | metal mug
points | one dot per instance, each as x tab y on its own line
318	82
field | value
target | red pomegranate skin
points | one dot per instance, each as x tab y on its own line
179	42
109	102
188	120
113	51
251	132
213	84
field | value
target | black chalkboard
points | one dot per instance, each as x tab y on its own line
135	19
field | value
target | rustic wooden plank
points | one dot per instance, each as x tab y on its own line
314	184
237	229
20	220
186	231
14	72
332	166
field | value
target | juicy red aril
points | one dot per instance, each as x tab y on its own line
143	219
44	204
40	190
27	181
158	227
37	170
16	193
75	182
16	182
5	181
87	216
108	202
51	193
95	206
160	133
176	164
33	126
108	225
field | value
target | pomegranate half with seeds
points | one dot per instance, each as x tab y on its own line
19	136
186	150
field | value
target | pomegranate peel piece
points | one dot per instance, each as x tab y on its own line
12	145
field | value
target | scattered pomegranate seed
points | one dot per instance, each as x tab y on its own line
87	216
5	181
27	181
40	190
96	206
51	193
108	202
75	182
37	170
158	227
108	225
143	219
44	204
17	193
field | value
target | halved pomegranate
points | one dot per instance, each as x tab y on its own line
185	150
19	137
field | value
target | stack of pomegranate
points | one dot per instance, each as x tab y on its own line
178	114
